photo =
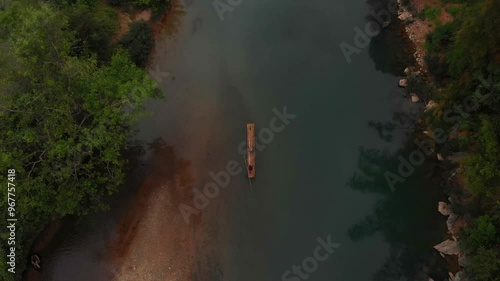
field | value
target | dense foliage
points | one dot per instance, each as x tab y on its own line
67	100
464	57
138	41
158	7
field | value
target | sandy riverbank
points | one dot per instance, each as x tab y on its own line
152	241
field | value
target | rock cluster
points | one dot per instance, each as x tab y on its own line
451	246
416	31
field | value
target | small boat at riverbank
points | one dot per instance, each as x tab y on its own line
251	150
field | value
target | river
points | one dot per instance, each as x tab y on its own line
266	57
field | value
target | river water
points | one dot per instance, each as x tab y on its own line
263	58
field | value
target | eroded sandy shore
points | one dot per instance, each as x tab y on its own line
153	242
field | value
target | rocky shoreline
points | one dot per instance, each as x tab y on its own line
417	30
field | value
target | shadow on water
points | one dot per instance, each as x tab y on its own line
407	216
391	50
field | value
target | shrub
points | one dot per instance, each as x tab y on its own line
117	2
481	233
158	7
441	38
431	14
454	10
484	266
437	65
93	28
138	41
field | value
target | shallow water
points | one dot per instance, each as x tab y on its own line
265	56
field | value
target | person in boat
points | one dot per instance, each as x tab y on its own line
35	261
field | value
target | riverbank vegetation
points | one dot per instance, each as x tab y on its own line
463	57
69	93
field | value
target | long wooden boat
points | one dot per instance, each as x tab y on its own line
251	150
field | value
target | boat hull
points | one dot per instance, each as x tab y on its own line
251	150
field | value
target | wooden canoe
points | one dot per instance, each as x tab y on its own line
251	150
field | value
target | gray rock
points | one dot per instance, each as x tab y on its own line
462	260
450	222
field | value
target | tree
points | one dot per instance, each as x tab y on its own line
477	44
64	119
484	266
482	233
138	41
94	27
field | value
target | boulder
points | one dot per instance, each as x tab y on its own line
414	98
450	222
404	16
444	209
403	83
430	105
439	157
448	247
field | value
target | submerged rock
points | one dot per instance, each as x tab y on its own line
448	247
444	209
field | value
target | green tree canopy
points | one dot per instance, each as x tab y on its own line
65	119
